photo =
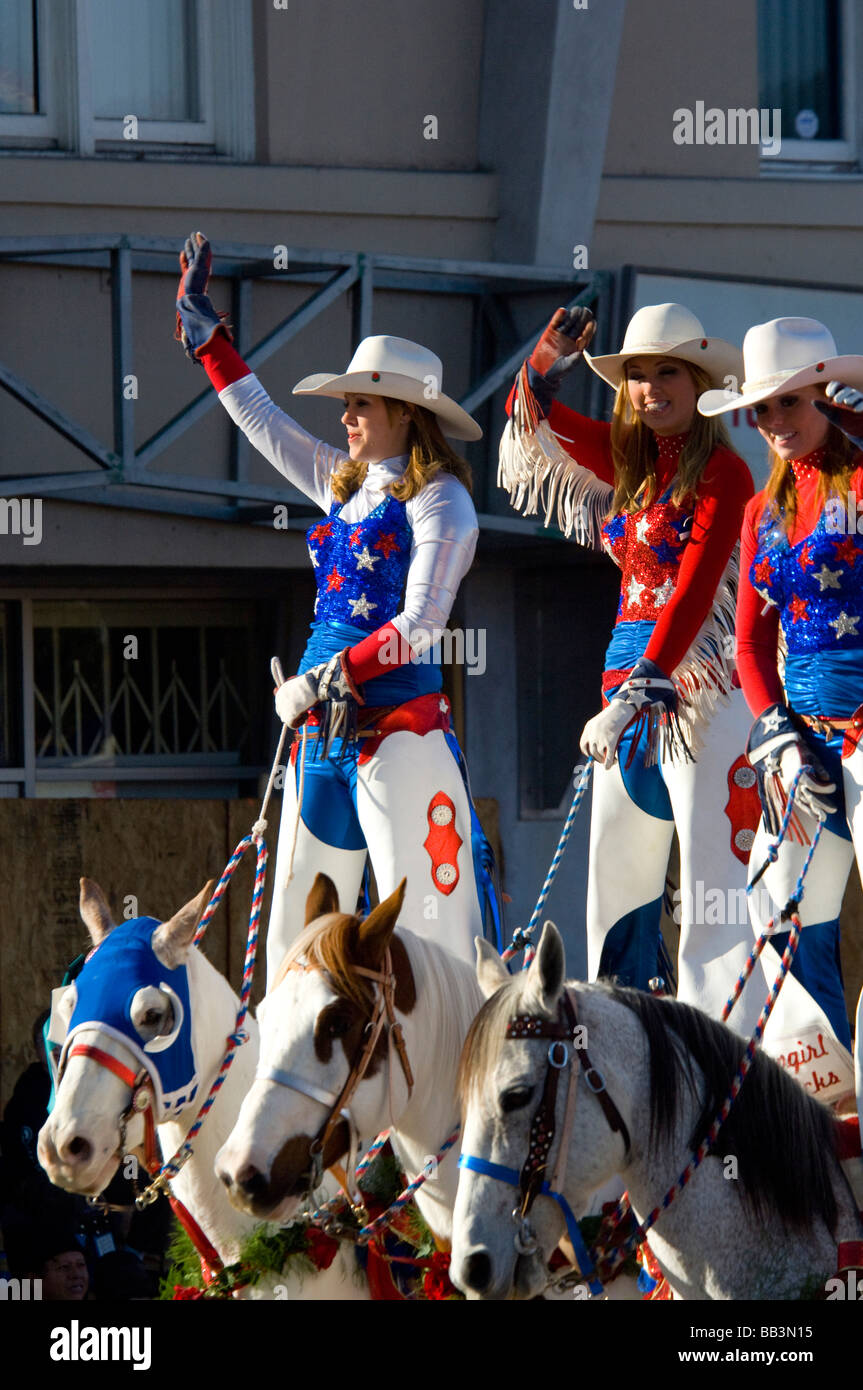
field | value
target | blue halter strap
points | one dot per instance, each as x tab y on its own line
573	1230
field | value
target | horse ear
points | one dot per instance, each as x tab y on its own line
173	938
322	898
491	972
377	929
548	969
94	909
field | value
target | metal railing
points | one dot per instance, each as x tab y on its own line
124	475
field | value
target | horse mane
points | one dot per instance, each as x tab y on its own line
771	1110
331	943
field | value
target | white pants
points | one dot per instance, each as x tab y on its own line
386	803
630	838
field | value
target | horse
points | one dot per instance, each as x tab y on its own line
147	1002
761	1217
315	1030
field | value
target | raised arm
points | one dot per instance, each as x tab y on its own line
305	461
550	454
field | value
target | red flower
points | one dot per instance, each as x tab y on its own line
183	1291
436	1280
320	1248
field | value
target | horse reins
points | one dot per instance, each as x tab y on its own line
562	1030
383	1016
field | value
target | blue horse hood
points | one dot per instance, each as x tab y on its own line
121	965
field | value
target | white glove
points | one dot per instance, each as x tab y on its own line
811	794
295	698
601	734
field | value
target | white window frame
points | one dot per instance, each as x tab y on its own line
845	151
225	96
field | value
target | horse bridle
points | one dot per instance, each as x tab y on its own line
383	1016
562	1030
141	1102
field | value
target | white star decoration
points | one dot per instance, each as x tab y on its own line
641	528
365	561
314	559
360	607
828	579
662	593
634	590
772	721
845	623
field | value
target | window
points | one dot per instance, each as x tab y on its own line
564	616
807	72
127	76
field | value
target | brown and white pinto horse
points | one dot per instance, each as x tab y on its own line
315	1031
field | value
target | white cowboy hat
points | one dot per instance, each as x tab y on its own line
396	367
779	356
669	330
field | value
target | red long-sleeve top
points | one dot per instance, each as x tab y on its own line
720	499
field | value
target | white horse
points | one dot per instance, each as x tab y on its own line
762	1217
313	1026
149	995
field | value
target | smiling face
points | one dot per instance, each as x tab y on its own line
374	433
662	393
790	425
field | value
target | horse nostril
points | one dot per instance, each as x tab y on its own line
477	1270
251	1182
79	1148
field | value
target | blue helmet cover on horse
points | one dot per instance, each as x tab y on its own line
122	965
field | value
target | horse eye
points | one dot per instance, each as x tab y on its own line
516	1099
338	1026
151	1018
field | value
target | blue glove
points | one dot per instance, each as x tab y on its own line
846	411
557	352
777	752
197	319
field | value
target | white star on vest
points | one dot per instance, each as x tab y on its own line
635	590
365	561
641	528
845	623
772	721
360	607
662	593
828	579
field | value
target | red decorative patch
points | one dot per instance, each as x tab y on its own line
443	843
335	580
743	807
798	608
356	536
320	533
763	571
805	556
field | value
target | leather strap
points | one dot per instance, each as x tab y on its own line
105	1059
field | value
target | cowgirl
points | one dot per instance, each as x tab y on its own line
802	575
664	494
380	770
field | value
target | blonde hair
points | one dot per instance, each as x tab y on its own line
428	453
634	450
841	460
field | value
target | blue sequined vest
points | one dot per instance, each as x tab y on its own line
361	566
817	585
